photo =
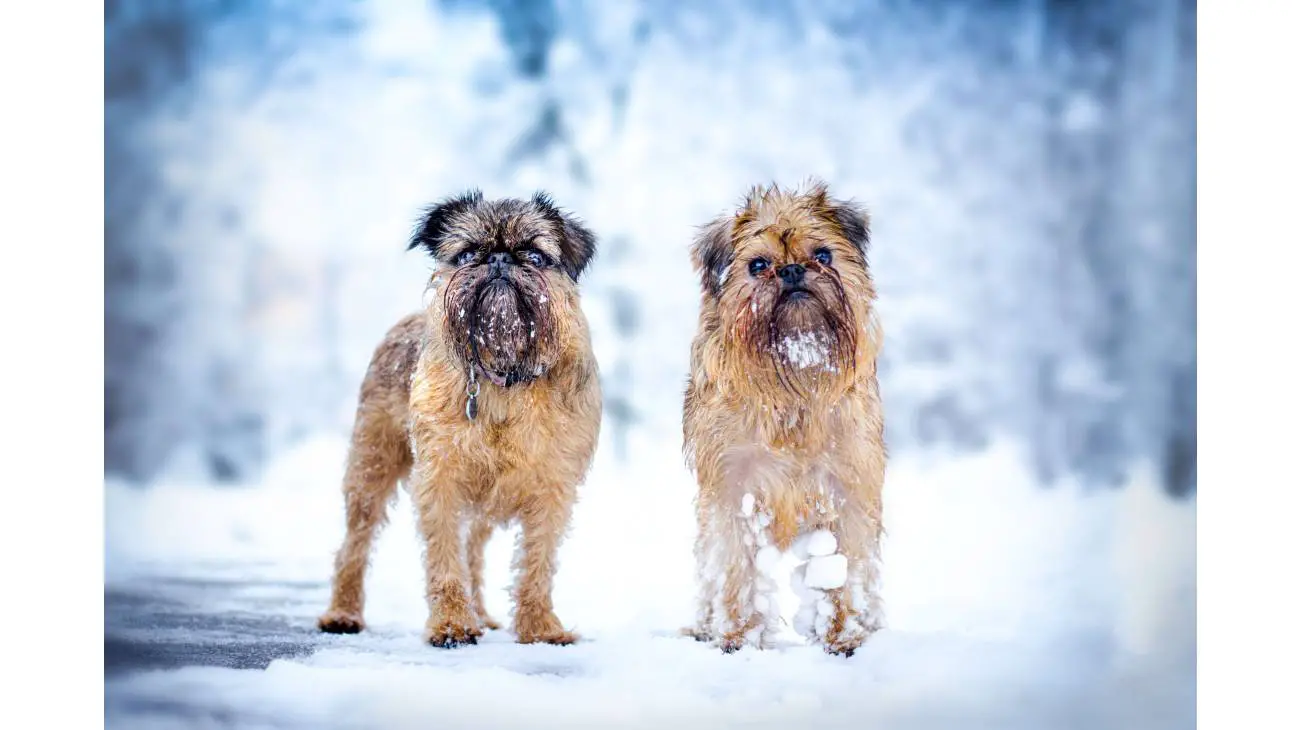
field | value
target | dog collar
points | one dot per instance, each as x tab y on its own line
472	388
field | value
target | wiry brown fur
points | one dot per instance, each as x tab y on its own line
524	454
806	442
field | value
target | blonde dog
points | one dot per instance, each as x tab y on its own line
783	423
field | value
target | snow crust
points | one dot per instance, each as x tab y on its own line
826	572
820	542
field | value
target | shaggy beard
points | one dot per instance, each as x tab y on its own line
806	342
502	326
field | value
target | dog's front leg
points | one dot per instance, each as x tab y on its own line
736	538
441	506
852	608
544	519
707	574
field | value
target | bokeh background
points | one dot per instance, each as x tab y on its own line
1029	165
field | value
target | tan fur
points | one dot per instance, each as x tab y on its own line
806	443
521	458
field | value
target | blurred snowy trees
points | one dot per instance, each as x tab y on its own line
1030	164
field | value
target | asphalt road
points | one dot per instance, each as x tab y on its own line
154	626
162	623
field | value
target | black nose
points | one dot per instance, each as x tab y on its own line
792	275
498	263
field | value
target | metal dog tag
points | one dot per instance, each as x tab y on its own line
471	391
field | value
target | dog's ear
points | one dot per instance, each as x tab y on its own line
577	242
854	222
852	219
431	230
711	253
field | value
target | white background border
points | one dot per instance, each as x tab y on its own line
51	516
1248	328
51	319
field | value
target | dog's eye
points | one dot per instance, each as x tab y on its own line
758	266
823	256
465	257
534	257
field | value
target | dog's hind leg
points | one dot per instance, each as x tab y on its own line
379	457
479	532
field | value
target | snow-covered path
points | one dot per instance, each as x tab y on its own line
1007	606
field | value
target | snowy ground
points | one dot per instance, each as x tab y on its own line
1008	606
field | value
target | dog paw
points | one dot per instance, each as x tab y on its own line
558	638
697	633
732	643
843	647
537	626
480	612
484	618
450	636
753	632
340	622
849	640
546	634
